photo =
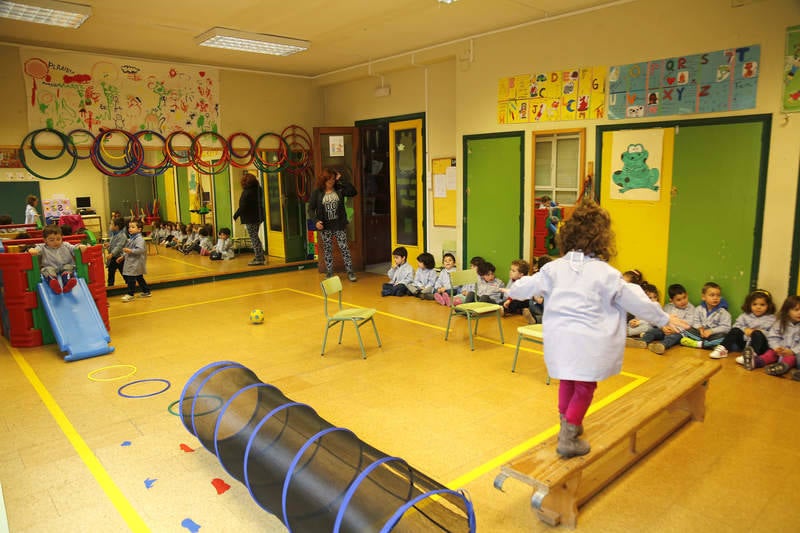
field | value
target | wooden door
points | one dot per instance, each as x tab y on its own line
376	198
339	147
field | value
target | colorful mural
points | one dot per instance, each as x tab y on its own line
791	78
69	91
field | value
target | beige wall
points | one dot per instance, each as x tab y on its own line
629	32
455	85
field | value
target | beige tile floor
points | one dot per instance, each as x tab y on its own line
451	413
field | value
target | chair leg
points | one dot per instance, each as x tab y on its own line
360	342
341	331
469	328
516	353
375	329
325	338
447	331
500	327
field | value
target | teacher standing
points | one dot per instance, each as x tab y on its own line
326	209
251	213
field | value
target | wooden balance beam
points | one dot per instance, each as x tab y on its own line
619	434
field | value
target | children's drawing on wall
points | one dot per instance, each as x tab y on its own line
636	165
791	79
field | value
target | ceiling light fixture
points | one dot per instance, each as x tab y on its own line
259	43
447	1
51	12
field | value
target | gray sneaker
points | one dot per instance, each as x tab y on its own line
656	347
633	342
528	316
352	276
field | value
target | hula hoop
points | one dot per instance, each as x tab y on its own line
203	413
163	165
249	154
160	380
64	139
39	154
134	155
282	150
93	372
173	155
91	142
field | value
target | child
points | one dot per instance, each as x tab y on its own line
205	245
31	214
179	236
533	314
58	260
633	276
224	247
711	319
668	336
192	238
135	258
117	240
784	341
519	268
638	327
758	315
442	284
424	278
400	275
467	292
489	287
585	328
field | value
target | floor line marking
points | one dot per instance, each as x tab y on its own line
118	499
189	264
193	304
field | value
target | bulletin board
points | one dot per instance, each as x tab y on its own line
444	191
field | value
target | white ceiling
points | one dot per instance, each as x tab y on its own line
343	33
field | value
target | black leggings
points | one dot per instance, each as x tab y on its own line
734	341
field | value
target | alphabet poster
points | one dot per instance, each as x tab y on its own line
725	80
68	91
636	164
577	94
791	78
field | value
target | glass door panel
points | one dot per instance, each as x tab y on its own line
406	178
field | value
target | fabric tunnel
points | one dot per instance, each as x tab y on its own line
312	475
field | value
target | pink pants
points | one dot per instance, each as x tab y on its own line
574	399
769	357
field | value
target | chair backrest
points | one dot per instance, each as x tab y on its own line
331	286
463	277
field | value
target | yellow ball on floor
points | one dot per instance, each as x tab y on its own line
256	316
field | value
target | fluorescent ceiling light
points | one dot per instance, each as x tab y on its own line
446	1
259	43
52	12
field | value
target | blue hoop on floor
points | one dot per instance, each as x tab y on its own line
160	380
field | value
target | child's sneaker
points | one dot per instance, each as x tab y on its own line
748	358
719	352
632	342
691	343
127	298
70	284
145	295
657	347
740	360
55	285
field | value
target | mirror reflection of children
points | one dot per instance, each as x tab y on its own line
584	323
57	260
135	258
223	249
31	214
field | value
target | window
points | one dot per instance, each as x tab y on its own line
558	163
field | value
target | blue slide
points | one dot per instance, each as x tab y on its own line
76	322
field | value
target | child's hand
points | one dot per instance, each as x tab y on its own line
749	331
676	324
783	351
506	303
120	259
669	330
127	250
33	251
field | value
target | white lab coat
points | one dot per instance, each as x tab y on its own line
584	322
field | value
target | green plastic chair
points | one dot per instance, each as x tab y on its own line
473	311
534	334
358	316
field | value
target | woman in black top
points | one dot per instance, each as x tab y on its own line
251	212
326	209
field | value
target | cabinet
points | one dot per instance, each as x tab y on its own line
94	224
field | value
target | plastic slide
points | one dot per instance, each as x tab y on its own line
76	322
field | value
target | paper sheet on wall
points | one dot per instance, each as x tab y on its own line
450	175
439	186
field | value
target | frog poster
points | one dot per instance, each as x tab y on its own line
636	165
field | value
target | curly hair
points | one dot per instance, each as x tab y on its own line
588	230
791	302
759	294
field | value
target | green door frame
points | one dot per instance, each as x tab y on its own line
465	150
766	122
795	262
